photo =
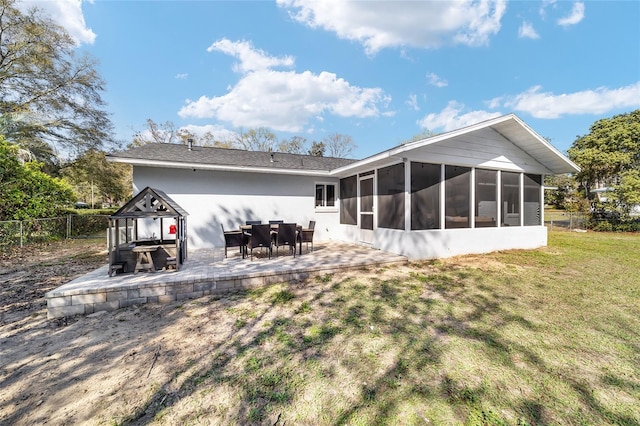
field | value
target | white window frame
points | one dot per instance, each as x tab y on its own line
324	207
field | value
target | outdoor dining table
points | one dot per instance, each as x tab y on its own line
274	230
144	258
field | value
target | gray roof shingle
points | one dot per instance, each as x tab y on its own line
180	154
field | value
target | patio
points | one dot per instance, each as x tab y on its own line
206	272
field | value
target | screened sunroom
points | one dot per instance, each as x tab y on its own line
472	191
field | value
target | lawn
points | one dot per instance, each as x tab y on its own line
549	336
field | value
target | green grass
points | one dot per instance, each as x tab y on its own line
548	336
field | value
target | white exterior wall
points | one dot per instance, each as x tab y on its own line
229	198
434	244
213	198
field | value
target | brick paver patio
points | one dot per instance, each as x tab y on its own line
204	273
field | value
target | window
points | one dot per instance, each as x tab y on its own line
349	200
486	198
457	193
532	187
425	196
325	195
391	197
510	198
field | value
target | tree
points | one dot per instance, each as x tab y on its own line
168	133
47	93
156	133
627	192
426	133
258	139
26	192
610	156
317	149
96	181
562	189
295	145
339	146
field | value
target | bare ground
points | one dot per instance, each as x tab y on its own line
121	367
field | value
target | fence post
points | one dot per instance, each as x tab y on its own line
68	226
20	234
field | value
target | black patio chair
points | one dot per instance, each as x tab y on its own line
260	236
253	222
274	222
286	236
306	234
232	239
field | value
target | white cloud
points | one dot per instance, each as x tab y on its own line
575	16
383	24
546	4
182	76
286	101
526	30
549	105
452	118
251	59
435	80
282	100
67	14
413	102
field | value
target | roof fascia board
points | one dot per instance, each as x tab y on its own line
546	143
215	167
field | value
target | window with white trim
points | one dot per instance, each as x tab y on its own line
325	195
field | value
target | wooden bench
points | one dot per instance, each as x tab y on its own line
117	266
172	263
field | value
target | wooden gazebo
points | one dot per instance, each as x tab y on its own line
148	233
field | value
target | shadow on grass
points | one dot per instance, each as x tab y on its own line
272	357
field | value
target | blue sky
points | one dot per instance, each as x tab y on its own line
378	71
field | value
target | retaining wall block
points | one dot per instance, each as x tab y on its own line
84	299
56	302
153	291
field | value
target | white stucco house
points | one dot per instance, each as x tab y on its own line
473	190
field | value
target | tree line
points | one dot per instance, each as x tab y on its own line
609	160
253	139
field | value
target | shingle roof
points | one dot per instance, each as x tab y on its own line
180	156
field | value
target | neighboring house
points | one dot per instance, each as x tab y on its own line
473	190
602	194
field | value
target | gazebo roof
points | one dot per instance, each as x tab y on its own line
150	203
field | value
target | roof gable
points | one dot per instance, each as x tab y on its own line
534	150
150	203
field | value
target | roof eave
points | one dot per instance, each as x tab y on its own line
215	167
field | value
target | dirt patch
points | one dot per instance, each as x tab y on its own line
120	367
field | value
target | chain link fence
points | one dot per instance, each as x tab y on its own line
567	221
22	232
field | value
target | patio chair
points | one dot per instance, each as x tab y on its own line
232	239
286	236
274	222
306	235
253	222
260	237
